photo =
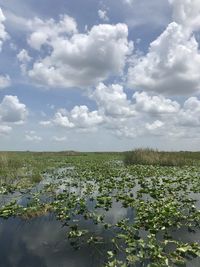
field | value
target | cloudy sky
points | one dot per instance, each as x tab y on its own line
99	75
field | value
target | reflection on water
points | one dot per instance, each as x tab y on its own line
42	242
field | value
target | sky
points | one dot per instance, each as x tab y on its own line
99	75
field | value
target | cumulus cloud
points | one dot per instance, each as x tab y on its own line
112	100
171	66
24	59
12	110
5	130
119	114
61	119
83	118
76	59
186	13
5	81
78	117
155	125
45	123
177	121
59	139
189	115
23	56
33	138
44	32
103	15
113	108
156	115
3	33
154	104
129	131
142	115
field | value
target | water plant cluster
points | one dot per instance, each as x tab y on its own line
139	215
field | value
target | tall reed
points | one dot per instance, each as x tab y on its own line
153	157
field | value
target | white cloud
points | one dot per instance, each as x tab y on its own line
44	32
154	104
5	81
45	123
83	118
117	114
33	138
177	121
171	66
5	130
78	118
112	100
59	139
23	56
79	60
192	104
3	33
129	2
103	15
24	59
62	120
11	110
152	115
186	13
189	115
128	131
155	125
16	22
155	115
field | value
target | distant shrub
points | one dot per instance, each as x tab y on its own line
153	157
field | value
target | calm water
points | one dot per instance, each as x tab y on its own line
42	242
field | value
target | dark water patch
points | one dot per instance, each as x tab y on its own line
42	242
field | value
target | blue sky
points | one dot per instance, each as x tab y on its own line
99	75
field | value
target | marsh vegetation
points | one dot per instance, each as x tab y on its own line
154	157
140	208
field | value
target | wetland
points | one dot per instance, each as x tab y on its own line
98	209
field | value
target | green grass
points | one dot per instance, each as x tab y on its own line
28	166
